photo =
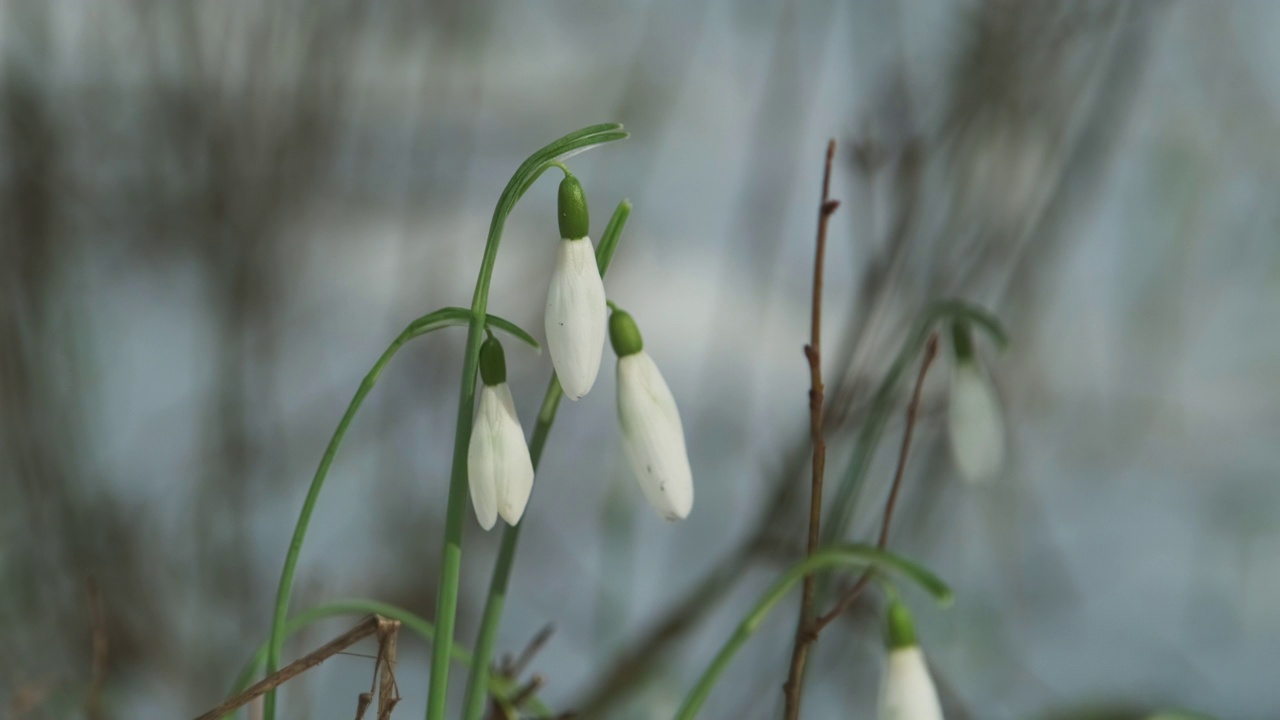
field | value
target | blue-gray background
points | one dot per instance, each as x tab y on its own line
215	215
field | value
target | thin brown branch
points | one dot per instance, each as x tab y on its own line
367	627
98	629
516	668
512	670
813	351
913	409
388	690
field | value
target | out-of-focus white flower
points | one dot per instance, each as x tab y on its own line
975	421
576	312
499	469
652	433
909	692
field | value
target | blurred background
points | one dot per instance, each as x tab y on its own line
215	215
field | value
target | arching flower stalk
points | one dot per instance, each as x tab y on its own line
975	421
909	692
575	317
652	433
499	470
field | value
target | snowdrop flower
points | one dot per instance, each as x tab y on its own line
975	421
575	318
499	470
651	430
909	693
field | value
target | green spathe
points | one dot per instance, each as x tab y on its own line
624	334
575	223
902	630
493	362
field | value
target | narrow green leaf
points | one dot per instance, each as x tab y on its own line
612	233
821	561
514	330
444	317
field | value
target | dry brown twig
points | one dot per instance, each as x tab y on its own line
511	669
388	690
384	679
813	351
368	626
913	410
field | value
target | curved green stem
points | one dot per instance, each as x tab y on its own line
474	706
501	688
451	562
836	524
847	555
445	317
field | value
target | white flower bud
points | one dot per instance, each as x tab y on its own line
909	693
576	317
654	436
975	423
498	466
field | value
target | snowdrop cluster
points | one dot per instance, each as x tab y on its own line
577	319
975	422
909	692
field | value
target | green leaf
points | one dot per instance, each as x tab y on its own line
442	318
513	330
612	233
823	560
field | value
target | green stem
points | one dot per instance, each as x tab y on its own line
444	317
847	555
474	705
501	688
451	562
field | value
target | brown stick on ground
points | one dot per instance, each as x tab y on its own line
913	408
813	351
367	627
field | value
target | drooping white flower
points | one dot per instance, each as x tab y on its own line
652	434
974	421
499	469
908	692
576	312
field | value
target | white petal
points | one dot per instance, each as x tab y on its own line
499	470
909	693
576	317
653	436
976	424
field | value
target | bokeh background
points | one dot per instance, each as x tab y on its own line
215	215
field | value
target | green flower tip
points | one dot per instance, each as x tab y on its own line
574	221
493	362
624	334
962	341
902	631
